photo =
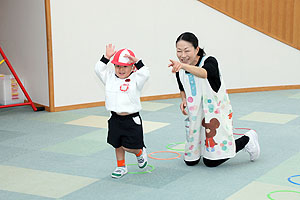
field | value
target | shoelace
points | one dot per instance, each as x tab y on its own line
140	159
119	170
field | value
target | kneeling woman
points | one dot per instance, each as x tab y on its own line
209	124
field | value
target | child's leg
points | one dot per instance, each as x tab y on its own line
141	156
133	137
135	151
120	155
121	169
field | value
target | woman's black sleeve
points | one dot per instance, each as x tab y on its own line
179	82
211	66
213	74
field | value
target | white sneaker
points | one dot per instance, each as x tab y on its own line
252	146
119	172
142	159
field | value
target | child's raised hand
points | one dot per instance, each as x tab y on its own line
110	51
176	66
131	58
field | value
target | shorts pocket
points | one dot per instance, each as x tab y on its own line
137	120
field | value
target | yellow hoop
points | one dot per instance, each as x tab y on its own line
2	61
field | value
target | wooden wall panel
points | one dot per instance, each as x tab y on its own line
296	28
290	17
51	107
279	19
259	14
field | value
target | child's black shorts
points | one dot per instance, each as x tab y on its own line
126	131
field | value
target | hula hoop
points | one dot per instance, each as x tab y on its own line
289	179
248	129
175	144
178	155
143	172
269	195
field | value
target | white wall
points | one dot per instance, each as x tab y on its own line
23	38
81	29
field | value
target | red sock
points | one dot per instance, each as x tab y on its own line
121	163
139	153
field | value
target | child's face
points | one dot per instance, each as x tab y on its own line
123	71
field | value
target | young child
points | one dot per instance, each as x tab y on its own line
122	97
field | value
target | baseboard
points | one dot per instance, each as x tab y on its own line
79	106
171	96
102	103
47	108
262	89
159	97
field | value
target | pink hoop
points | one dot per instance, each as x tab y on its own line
248	129
149	155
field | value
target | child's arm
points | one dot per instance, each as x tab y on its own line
101	68
142	73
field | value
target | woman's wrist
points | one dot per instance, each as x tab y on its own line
183	66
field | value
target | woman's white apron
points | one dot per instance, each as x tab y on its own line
209	131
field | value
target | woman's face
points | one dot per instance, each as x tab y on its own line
123	71
186	52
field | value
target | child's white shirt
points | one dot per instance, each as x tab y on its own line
122	95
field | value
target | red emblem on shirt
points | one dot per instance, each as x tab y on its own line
124	87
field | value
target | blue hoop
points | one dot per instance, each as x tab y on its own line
289	179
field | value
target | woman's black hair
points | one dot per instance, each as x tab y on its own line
191	38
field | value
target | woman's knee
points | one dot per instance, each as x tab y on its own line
212	163
192	163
